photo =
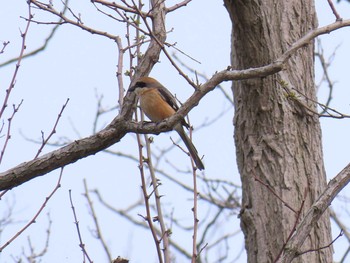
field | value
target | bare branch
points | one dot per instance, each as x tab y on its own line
118	6
8	134
277	65
34	256
274	193
146	197
337	16
183	53
345	255
325	65
195	253
294	226
76	222
314	213
324	247
4	45
125	214
161	43
65	19
159	218
119	71
340	224
177	6
121	126
65	155
33	220
46	41
202	75
23	47
302	100
53	131
97	224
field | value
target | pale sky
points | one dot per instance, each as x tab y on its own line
77	65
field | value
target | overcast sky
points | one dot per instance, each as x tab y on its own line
77	65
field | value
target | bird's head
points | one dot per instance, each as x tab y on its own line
144	83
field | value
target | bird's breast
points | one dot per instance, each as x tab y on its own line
155	107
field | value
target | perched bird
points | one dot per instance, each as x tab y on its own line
158	104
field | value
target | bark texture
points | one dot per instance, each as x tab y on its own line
277	140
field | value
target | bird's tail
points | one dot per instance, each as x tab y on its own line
191	148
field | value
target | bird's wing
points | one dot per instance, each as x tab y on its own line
168	97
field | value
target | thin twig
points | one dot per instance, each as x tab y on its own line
314	213
4	45
202	75
146	197
325	65
342	260
195	253
274	193
8	134
78	22
177	6
183	53
340	224
294	226
128	9
331	113
34	256
53	131
209	225
76	222
337	16
97	224
159	218
119	71
19	60
125	213
121	125
33	220
161	45
320	248
46	41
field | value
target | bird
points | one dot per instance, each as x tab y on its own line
158	103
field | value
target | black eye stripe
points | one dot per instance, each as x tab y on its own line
141	84
138	84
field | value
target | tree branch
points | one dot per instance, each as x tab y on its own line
60	157
33	220
65	19
121	124
177	6
314	213
46	41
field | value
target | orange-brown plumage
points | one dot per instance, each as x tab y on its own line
158	104
154	105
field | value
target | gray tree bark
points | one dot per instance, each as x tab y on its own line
278	141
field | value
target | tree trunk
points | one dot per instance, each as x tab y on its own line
278	142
